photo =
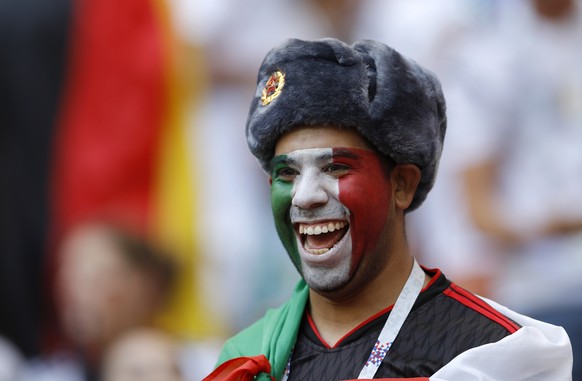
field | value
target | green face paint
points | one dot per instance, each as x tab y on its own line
281	196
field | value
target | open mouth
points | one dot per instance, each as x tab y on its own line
318	238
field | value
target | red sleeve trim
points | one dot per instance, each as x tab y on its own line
474	302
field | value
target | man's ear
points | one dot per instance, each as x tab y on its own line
405	178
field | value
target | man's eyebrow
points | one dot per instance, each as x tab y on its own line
345	152
324	156
282	160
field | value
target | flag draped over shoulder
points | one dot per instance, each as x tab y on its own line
121	145
263	349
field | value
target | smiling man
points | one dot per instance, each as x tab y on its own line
351	137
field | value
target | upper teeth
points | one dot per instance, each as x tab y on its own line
320	228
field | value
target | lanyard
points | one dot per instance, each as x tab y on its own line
396	319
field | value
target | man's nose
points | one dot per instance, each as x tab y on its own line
309	192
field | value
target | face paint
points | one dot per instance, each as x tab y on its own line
366	191
281	196
330	206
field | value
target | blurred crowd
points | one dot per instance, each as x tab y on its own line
84	297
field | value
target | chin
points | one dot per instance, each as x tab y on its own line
326	280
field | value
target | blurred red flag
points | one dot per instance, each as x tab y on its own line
107	141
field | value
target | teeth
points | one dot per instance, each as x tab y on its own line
318	229
318	251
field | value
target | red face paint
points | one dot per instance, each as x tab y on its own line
366	191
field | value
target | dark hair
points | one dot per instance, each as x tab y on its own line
142	253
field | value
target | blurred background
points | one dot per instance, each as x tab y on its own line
135	226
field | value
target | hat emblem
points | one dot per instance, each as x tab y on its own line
273	87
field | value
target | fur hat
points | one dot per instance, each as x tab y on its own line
396	104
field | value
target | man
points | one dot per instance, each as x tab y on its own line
351	137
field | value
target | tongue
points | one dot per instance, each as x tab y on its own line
324	240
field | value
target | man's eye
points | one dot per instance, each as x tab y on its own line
286	174
336	169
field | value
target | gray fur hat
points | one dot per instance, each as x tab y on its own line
396	104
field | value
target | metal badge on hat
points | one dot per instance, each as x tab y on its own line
273	87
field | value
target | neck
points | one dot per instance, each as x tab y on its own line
335	318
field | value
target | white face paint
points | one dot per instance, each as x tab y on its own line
319	219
